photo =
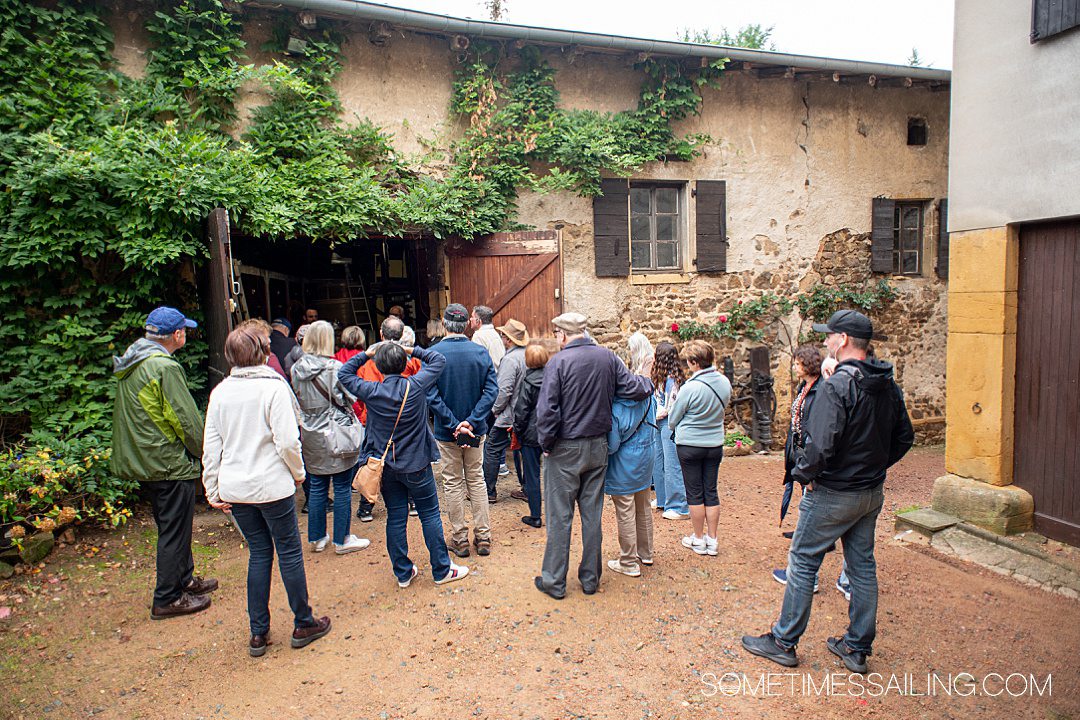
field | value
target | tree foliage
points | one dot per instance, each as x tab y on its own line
754	37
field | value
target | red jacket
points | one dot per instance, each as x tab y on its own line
368	371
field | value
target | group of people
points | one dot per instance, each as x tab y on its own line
571	411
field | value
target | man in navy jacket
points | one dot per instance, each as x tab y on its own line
461	400
573	417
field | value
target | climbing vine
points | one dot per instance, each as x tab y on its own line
751	319
107	180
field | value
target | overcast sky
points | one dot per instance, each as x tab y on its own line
872	30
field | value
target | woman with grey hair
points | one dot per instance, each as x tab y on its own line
331	436
630	467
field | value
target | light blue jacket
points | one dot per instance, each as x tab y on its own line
698	413
630	446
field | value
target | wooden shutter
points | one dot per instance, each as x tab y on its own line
1050	17
881	235
611	228
711	215
943	240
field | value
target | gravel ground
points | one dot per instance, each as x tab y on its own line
79	641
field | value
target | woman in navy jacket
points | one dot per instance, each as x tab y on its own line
407	467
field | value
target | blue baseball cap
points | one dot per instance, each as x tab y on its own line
166	320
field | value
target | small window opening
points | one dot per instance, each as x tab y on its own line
916	131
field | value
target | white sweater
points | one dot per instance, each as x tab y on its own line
251	449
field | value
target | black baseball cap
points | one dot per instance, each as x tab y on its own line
455	312
850	322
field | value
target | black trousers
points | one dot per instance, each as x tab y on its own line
174	507
700	468
498	440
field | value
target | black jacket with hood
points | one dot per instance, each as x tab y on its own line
857	428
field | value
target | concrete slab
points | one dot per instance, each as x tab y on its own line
925	521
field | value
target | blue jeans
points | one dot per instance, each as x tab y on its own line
530	477
267	526
667	473
397	488
826	516
320	487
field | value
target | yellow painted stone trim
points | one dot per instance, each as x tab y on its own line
984	260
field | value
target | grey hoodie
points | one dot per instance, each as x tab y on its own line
136	353
327	449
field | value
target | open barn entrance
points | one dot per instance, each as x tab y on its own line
354	283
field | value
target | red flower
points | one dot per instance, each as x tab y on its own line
740	302
674	327
723	318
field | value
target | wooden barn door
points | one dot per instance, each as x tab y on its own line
516	274
1047	437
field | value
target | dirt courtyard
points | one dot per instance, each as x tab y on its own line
79	642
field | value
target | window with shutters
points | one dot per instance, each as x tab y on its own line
641	229
1052	17
657	227
907	238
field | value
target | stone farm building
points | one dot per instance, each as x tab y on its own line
818	170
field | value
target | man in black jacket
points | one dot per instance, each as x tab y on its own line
857	428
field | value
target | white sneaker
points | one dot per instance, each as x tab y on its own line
652	503
457	572
616	566
712	545
320	545
503	470
695	543
351	544
673	515
412	577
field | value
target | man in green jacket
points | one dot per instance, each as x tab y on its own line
157	440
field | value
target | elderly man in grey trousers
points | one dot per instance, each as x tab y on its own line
573	417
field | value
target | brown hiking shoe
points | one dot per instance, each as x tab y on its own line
519	495
186	604
302	636
483	547
461	549
201	586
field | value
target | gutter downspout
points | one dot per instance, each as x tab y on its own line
359	10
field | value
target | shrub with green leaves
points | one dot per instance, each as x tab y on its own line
49	483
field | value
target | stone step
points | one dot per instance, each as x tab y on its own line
925	521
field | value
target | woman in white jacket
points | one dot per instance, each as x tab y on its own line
251	466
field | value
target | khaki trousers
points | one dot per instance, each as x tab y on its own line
634	518
462	473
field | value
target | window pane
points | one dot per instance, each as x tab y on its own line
667	200
665	228
909	241
911	262
639	228
666	255
911	218
641	256
639	200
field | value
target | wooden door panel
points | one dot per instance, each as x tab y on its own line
1047	431
518	275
